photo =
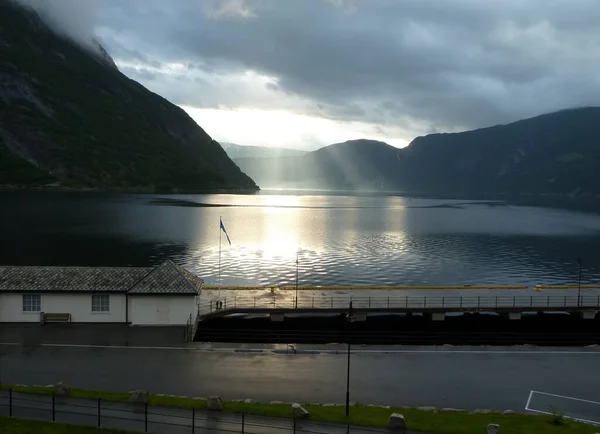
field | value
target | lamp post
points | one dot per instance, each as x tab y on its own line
350	319
580	262
296	281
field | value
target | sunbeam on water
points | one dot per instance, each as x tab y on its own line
339	240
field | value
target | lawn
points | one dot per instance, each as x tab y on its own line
438	422
21	426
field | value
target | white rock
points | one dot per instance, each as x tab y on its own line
493	428
482	411
298	412
330	405
61	390
427	408
139	397
214	403
397	422
250	401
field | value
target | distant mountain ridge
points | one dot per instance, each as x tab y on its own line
556	153
69	118
239	151
352	165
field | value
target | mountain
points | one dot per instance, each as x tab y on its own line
69	117
556	154
352	165
238	151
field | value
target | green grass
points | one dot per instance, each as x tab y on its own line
21	426
439	422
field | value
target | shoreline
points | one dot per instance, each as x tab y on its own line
588	203
132	190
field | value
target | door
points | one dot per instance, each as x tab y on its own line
163	311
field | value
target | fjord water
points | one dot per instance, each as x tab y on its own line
340	240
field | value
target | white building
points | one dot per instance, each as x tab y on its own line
164	295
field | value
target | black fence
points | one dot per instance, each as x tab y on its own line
147	418
336	302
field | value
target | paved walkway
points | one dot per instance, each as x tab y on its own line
137	417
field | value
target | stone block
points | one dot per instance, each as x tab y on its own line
214	403
139	397
397	422
299	412
493	428
61	390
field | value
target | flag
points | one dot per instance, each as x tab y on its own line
223	228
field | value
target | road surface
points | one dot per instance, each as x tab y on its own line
495	378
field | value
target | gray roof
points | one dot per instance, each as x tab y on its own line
166	278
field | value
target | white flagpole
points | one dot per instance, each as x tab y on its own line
219	279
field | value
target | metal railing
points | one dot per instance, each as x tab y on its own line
147	418
188	333
484	302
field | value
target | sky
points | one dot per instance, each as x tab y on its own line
308	73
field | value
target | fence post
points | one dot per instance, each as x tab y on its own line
254	301
294	426
369	302
389	302
443	301
53	407
425	302
146	417
548	301
478	301
461	301
10	402
313	301
193	420
98	424
242	423
211	306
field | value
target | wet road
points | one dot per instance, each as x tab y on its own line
460	378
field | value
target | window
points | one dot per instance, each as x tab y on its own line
32	303
100	303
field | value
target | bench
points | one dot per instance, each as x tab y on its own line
55	317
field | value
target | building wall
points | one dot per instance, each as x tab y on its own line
78	305
161	309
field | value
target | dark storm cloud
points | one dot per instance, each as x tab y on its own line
429	65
